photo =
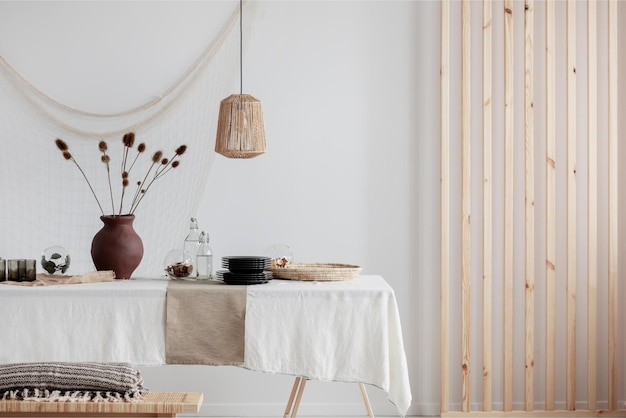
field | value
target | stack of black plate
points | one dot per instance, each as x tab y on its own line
245	270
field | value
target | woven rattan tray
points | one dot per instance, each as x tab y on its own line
316	271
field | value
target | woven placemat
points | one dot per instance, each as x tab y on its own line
316	271
49	280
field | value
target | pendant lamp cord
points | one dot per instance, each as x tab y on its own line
241	46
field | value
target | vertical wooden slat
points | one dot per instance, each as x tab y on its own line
487	204
508	206
613	206
445	204
592	214
529	207
571	206
550	205
465	201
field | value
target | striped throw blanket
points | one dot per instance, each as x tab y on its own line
70	382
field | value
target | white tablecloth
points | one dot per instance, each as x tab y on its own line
104	322
345	331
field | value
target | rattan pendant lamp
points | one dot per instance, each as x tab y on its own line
240	127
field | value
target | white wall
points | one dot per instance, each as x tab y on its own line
350	94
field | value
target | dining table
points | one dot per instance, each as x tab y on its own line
333	331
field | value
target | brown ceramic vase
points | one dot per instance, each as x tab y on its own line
117	246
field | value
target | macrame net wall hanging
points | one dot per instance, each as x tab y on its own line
44	199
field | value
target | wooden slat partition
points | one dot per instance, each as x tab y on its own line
487	204
567	386
508	204
445	205
613	199
465	199
550	206
570	390
529	203
592	211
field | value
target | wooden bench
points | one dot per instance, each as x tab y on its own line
153	404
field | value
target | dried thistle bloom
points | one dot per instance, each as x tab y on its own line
129	139
102	146
61	144
125	183
175	164
67	155
164	161
141	147
181	150
105	159
157	157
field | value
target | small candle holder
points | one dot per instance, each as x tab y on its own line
13	271
31	270
22	270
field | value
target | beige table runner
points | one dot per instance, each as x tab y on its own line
205	323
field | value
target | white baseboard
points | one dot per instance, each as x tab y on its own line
309	410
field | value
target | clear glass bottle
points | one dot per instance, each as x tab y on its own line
204	258
192	243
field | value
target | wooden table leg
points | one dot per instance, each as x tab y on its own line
298	397
298	390
294	390
366	401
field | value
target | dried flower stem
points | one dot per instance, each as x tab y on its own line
166	165
123	170
123	188
160	166
129	140
106	159
66	154
89	184
141	191
136	196
141	148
